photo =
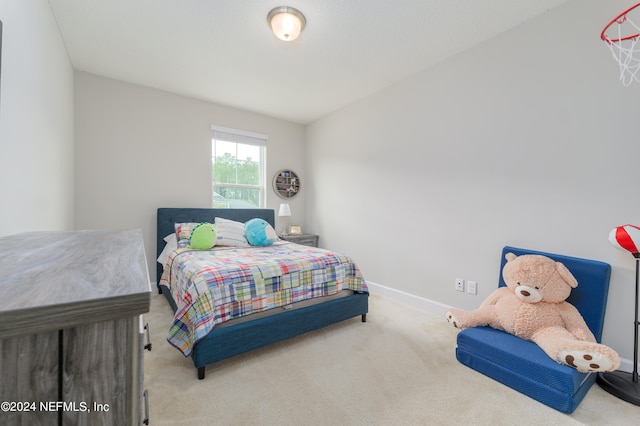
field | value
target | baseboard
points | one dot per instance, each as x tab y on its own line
438	308
427	305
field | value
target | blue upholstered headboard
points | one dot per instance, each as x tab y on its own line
590	297
168	217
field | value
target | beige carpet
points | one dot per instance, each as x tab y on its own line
398	368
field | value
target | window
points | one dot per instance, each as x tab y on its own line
238	168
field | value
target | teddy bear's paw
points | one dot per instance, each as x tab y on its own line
586	361
451	318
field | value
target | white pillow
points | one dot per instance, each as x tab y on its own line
230	233
172	244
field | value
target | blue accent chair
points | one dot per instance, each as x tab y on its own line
521	364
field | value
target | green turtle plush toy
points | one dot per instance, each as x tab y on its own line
203	236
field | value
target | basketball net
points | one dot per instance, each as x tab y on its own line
624	46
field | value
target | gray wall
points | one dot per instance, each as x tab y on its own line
138	149
526	140
36	121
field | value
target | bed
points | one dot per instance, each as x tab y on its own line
263	327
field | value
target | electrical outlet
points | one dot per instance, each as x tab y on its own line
459	284
472	287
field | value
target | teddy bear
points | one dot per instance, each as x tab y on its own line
533	307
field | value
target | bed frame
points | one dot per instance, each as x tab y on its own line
235	339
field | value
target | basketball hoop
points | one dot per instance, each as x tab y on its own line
624	45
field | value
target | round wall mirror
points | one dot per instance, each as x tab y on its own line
286	183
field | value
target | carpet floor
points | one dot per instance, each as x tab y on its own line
398	368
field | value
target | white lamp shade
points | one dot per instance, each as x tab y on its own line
285	210
286	22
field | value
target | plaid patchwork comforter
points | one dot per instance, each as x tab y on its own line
213	286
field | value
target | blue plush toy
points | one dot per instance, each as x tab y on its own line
259	232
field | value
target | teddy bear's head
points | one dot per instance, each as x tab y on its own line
536	278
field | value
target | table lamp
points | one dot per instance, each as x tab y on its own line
285	211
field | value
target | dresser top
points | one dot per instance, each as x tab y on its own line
54	280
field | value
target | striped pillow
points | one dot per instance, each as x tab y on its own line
230	233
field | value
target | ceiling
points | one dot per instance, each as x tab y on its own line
223	51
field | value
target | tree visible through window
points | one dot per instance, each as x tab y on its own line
238	168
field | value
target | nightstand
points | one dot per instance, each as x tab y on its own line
304	239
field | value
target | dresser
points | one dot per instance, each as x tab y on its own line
71	328
304	239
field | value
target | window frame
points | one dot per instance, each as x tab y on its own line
240	137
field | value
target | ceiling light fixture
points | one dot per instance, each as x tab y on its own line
286	22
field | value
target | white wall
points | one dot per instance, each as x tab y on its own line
138	149
526	140
36	121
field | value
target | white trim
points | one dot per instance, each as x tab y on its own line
216	128
626	365
427	305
